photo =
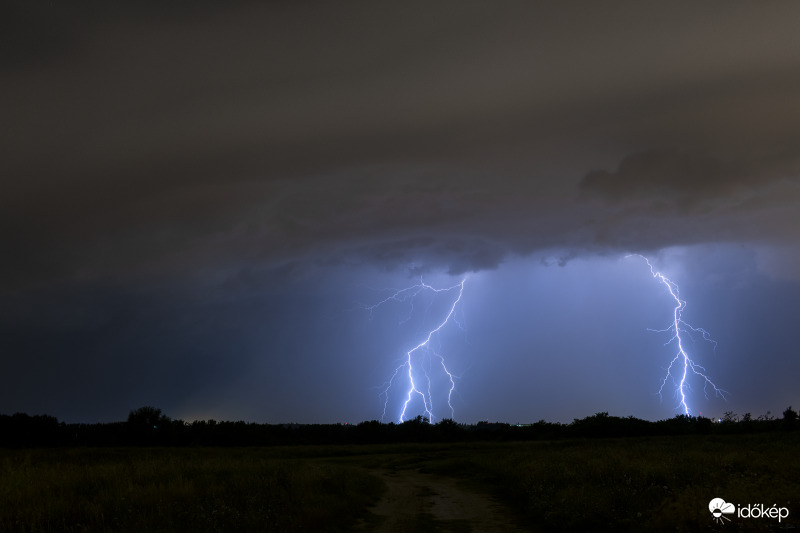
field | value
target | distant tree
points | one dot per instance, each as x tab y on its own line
703	425
766	417
371	431
147	417
447	428
148	425
21	429
747	417
730	417
789	416
447	423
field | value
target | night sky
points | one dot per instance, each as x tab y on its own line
199	204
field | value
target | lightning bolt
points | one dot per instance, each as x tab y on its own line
417	363
682	363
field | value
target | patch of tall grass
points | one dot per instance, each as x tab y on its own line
635	484
178	489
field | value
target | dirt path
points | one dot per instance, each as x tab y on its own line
424	502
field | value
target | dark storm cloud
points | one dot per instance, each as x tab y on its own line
685	179
185	184
145	140
663	198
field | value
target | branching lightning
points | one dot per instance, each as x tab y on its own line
417	365
681	365
422	373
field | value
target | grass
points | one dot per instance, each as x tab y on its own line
199	490
635	484
655	483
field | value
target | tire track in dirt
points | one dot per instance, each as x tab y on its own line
416	501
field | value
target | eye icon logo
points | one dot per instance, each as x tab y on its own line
719	508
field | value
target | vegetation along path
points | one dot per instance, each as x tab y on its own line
417	501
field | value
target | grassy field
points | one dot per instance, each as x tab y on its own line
179	489
636	484
657	483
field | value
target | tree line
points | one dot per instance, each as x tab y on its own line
149	426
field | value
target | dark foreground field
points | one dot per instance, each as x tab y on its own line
633	484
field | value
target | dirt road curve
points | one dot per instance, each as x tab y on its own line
424	502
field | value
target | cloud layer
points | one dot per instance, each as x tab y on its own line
140	142
196	199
